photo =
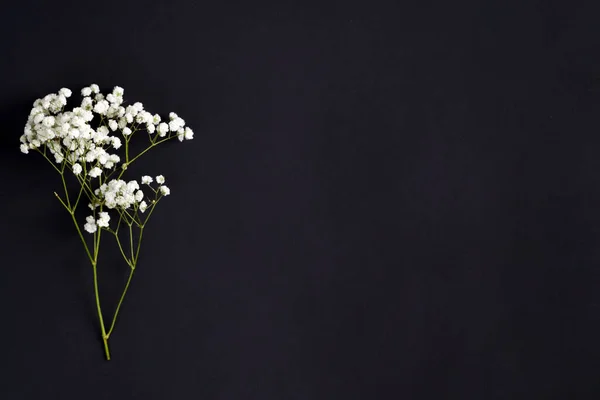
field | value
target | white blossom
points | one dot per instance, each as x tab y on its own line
165	190
189	134
126	131
103	219
162	129
143	206
95	172
86	91
116	142
65	92
119	194
176	124
101	107
77	169
24	148
90	225
160	179
113	125
146	180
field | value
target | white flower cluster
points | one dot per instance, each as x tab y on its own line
123	195
69	135
91	225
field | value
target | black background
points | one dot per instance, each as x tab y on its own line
381	202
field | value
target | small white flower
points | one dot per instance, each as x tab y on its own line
94	88
150	128
162	129
103	219
139	196
143	206
176	124
126	131
172	115
160	179
113	125
129	117
90	225
156	119
189	134
95	172
65	92
116	142
118	91
48	121
86	91
101	107
146	180
165	190
24	148
77	169
138	106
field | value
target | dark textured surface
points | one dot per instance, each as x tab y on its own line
381	202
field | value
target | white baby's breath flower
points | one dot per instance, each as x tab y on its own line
139	196
146	180
165	190
129	117
126	131
156	119
24	148
113	125
189	134
160	179
116	142
90	225
65	92
101	107
118	91
150	128
138	106
143	206
103	219
86	91
95	172
162	129
48	121
77	169
94	88
176	124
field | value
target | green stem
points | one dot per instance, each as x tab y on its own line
128	161
114	320
131	243
97	295
97	292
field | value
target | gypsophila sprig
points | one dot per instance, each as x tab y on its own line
81	145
